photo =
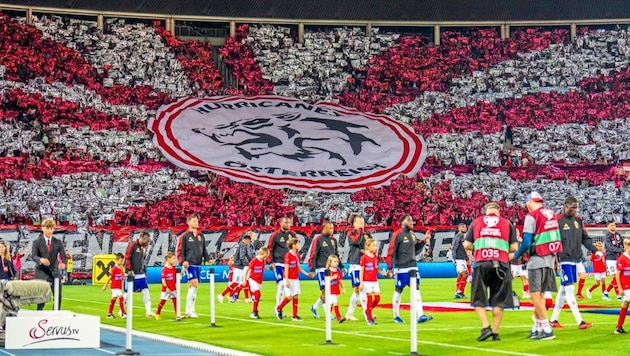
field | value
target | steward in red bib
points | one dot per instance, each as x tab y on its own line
491	238
547	240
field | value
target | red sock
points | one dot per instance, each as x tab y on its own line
121	303
175	306
526	288
256	300
613	284
592	288
227	290
336	311
581	285
284	302
295	306
603	286
247	291
549	303
622	317
377	299
462	285
368	310
159	308
112	302
236	290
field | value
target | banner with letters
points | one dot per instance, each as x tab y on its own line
220	242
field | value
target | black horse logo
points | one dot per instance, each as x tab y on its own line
279	135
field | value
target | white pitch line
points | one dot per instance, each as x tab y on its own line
440	344
107	351
383	337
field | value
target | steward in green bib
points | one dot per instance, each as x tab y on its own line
541	238
491	238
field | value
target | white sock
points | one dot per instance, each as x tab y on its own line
546	326
559	303
318	303
354	299
279	293
363	299
193	298
396	303
419	306
189	299
536	324
146	299
570	295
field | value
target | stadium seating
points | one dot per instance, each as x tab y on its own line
500	118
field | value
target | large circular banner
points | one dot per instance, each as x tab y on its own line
280	142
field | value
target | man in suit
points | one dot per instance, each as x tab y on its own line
46	253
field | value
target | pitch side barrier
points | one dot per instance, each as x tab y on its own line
220	243
427	270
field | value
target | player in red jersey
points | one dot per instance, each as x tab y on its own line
291	279
253	274
169	286
369	280
116	277
336	285
623	281
599	270
230	288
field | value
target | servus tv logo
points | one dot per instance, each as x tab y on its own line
44	332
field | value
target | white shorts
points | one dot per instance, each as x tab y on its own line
253	285
334	299
611	267
461	266
626	295
237	275
579	268
371	287
518	271
294	288
168	295
599	276
117	293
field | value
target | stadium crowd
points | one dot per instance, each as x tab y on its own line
500	118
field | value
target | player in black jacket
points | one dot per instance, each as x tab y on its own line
400	260
356	239
322	246
136	266
613	245
573	237
277	249
192	253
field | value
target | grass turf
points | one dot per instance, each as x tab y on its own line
449	333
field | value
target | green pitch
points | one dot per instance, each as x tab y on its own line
449	333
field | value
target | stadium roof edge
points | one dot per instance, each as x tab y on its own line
385	12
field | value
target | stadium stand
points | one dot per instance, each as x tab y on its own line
500	117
